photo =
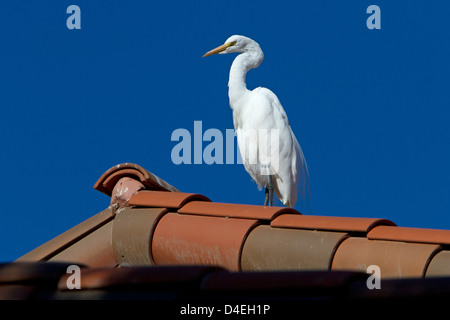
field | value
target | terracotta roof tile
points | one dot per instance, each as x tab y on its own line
439	265
395	259
414	291
109	179
189	239
105	278
64	240
163	199
234	210
19	280
268	248
32	272
123	190
182	242
328	223
278	281
132	235
94	250
410	234
200	283
16	291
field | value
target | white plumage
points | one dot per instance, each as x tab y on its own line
269	149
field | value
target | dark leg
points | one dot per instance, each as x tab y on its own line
269	193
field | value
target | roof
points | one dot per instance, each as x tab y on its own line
154	241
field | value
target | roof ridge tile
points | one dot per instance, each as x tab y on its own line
329	223
409	234
195	239
233	210
164	199
108	180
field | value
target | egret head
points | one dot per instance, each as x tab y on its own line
236	44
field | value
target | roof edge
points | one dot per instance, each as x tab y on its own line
52	247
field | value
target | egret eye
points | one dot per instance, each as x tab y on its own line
233	43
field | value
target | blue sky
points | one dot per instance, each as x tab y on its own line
370	108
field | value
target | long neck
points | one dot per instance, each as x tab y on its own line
241	65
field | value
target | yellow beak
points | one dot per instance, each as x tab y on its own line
219	49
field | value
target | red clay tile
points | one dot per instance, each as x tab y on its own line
279	281
164	199
190	239
234	210
64	240
94	250
30	272
410	234
109	179
414	290
16	291
395	259
439	265
147	277
132	235
328	223
124	189
268	248
19	280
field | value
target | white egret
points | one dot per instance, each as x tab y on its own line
260	111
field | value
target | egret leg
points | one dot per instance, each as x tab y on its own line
269	193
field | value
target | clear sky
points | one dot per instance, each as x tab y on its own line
370	108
